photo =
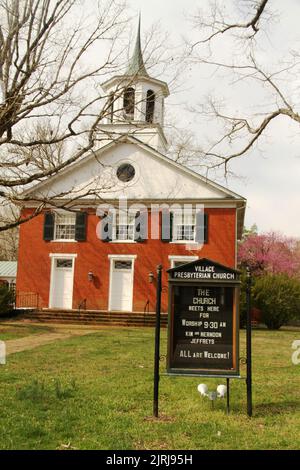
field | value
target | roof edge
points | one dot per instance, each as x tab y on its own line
126	139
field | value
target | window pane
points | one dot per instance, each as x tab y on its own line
129	99
184	226
185	232
111	107
123	265
65	226
150	103
188	218
125	172
179	263
64	263
124	228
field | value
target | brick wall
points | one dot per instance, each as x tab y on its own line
34	263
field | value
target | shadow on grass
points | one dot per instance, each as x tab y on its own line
264	409
39	391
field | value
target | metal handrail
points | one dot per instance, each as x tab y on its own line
82	305
27	300
146	309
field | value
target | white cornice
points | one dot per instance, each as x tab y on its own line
108	84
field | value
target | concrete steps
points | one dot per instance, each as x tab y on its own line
95	318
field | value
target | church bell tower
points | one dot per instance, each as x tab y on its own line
135	102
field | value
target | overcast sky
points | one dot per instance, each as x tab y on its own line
269	177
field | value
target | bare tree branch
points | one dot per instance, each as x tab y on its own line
51	104
240	131
219	26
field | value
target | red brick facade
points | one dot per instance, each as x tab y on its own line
34	263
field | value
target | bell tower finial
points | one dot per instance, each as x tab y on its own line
136	65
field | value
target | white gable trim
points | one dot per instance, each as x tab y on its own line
185	169
128	139
71	167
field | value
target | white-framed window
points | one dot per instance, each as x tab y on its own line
177	260
62	263
64	226
124	227
184	226
122	265
129	103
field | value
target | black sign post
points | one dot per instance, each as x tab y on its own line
203	325
203	336
249	346
157	343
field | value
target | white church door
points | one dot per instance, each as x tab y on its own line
121	284
62	279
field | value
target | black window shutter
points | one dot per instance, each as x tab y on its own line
201	227
106	228
141	226
205	228
166	226
48	226
80	228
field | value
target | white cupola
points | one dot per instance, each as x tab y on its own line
135	102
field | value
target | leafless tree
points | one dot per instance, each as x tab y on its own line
54	54
50	98
246	26
9	239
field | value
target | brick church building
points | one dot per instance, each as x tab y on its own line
65	260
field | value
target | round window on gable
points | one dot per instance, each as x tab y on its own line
125	172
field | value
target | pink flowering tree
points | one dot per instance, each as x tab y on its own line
274	260
270	253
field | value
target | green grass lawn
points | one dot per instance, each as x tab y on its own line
15	331
95	392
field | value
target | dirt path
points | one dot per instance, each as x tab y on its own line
34	341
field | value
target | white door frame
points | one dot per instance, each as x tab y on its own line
113	258
54	257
